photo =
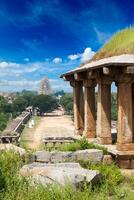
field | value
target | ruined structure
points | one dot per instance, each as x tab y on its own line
118	69
45	87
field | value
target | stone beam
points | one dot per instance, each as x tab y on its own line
68	78
89	109
129	70
79	76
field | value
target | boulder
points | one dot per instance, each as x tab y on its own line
61	174
14	148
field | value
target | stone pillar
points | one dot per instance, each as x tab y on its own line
78	106
89	109
125	117
104	111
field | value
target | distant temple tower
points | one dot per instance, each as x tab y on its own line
45	86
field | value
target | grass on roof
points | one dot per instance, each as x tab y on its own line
121	43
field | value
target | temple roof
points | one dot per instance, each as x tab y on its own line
121	43
119	61
119	50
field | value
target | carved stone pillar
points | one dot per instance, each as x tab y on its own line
89	109
78	106
104	111
125	116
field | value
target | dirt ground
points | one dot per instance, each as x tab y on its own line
60	125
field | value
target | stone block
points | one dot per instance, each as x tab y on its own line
60	174
42	156
59	156
124	164
107	159
93	155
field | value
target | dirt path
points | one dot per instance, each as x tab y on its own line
49	126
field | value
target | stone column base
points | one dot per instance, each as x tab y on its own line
125	147
89	134
105	140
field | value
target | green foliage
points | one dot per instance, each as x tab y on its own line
45	103
61	93
67	102
121	43
81	145
114	106
3	121
19	104
15	187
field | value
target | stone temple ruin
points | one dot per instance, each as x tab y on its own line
118	69
45	87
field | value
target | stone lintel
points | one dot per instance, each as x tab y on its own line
68	78
79	76
129	70
124	78
93	74
89	83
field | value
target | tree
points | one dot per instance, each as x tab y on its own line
67	102
114	106
46	103
19	104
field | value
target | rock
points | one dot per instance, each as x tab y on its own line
11	147
93	155
60	173
36	167
107	159
59	156
42	156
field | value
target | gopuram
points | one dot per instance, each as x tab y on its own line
103	72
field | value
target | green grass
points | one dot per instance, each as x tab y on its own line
121	43
14	187
81	144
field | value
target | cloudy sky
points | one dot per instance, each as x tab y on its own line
48	37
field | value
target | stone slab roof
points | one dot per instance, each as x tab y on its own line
122	60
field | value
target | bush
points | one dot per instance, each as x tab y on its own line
81	145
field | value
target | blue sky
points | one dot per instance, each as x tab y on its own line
48	37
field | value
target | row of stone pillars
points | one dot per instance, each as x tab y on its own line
85	112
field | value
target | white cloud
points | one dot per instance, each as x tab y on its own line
57	60
73	56
5	64
85	56
26	59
